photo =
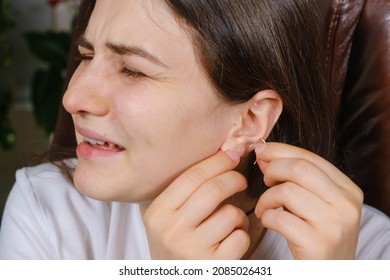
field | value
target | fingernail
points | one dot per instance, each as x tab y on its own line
256	211
260	148
234	155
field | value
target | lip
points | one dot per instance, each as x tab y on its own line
86	150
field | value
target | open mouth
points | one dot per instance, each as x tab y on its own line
107	146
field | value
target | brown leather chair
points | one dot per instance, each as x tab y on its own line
357	43
358	62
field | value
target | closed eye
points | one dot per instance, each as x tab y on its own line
80	56
85	52
86	56
132	73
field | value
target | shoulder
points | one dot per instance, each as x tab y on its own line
45	186
374	238
44	180
43	175
30	208
52	197
47	218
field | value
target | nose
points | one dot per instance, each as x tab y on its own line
86	92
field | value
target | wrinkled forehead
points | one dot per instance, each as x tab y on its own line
147	22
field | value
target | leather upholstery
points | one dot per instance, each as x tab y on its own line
357	59
358	64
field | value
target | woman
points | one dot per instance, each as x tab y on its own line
170	102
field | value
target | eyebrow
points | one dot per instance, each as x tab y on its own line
83	42
122	49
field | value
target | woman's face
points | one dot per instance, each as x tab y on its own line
141	104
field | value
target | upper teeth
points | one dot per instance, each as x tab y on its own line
101	142
94	141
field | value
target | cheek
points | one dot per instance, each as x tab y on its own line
168	133
161	118
188	134
192	125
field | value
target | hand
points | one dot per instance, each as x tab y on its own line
187	221
310	202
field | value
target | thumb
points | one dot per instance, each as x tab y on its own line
260	148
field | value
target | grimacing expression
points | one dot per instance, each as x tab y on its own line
141	104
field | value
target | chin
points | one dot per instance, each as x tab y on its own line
90	187
99	185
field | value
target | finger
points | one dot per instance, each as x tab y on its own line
210	195
300	202
295	230
268	152
271	151
185	185
222	223
304	174
234	246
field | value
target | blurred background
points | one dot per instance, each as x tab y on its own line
34	46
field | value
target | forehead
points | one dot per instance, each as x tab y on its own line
149	23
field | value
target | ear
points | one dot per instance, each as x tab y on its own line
256	119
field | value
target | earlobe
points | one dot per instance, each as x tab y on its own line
257	118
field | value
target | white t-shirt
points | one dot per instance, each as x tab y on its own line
47	218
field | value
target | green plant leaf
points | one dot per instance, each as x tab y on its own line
50	47
5	103
47	89
6	22
7	135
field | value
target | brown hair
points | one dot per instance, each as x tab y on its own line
246	46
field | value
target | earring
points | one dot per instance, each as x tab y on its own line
256	142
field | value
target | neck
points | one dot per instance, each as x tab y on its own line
256	233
